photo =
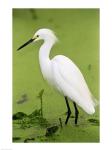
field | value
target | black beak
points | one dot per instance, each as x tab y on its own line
28	42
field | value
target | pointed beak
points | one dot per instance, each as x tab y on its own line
28	42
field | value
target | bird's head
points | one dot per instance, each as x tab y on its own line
42	34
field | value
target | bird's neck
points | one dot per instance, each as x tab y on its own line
44	51
44	59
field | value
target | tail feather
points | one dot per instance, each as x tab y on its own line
95	101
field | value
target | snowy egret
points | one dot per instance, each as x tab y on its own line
63	74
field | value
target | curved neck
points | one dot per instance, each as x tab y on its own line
44	59
44	51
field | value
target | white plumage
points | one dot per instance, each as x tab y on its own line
62	73
70	81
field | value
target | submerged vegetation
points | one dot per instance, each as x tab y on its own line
35	120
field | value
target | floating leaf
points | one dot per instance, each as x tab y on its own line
51	130
94	121
19	116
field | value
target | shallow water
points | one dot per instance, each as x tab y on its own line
78	33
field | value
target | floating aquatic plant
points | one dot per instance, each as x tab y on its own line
51	130
19	116
94	121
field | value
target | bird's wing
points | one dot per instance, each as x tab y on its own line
69	80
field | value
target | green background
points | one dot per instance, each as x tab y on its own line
78	34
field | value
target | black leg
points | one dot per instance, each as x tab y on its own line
69	111
76	113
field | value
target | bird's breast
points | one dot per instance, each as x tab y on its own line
46	71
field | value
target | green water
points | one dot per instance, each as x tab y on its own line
78	33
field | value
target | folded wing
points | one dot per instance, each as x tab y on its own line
70	82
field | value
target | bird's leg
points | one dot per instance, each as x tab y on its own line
69	111
76	112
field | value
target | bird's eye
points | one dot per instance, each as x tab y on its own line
37	35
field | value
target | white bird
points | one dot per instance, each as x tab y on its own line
63	74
